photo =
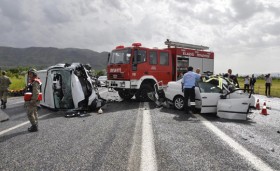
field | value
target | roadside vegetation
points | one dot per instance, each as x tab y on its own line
260	86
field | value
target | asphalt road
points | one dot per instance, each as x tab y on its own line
130	135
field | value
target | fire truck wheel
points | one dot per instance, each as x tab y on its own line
178	102
142	93
126	95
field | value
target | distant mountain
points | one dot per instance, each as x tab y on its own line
47	56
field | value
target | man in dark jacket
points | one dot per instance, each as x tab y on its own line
252	83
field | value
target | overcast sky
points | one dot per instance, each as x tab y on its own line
243	34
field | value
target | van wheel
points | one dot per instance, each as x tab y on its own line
178	102
142	93
126	94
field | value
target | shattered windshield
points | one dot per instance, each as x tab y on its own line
120	56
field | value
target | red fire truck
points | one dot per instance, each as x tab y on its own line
135	70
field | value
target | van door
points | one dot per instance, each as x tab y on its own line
233	108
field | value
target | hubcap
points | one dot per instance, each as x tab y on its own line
179	103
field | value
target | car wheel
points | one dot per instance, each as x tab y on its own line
178	102
142	93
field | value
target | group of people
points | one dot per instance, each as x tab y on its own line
31	104
249	83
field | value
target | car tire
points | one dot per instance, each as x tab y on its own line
178	102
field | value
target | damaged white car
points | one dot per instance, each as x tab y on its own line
69	87
215	95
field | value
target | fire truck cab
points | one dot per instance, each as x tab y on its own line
135	70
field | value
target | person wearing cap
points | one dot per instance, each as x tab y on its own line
4	88
34	87
188	87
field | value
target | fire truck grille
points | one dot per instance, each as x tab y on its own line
116	76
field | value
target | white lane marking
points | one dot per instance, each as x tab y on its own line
256	161
148	154
136	145
20	125
16	102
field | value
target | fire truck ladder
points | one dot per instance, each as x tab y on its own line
185	45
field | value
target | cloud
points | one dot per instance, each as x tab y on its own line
244	9
240	30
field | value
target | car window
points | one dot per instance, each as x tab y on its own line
206	87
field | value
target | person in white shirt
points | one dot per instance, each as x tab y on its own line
268	84
246	84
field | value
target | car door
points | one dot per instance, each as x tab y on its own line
236	108
209	94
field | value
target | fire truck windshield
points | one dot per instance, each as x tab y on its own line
120	56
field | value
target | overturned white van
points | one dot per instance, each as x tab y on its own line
69	86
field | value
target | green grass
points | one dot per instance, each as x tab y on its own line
17	83
260	87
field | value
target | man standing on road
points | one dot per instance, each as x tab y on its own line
31	104
188	87
268	84
252	83
246	84
4	87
